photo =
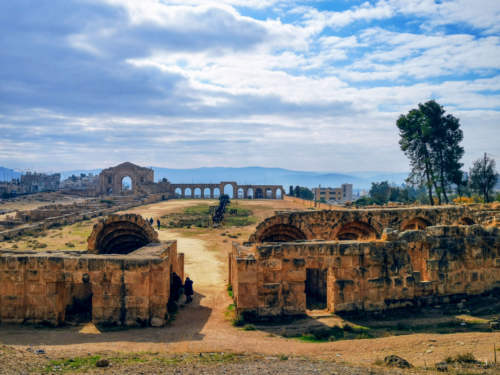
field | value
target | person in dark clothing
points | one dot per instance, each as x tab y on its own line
151	221
188	290
158	223
176	286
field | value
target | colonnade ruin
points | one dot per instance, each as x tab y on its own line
142	180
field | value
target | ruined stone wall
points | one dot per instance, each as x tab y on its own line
124	290
403	269
359	224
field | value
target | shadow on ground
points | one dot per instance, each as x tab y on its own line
469	314
186	325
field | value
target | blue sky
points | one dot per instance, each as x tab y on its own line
309	85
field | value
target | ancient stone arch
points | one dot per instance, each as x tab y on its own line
121	234
415	223
110	179
282	233
355	230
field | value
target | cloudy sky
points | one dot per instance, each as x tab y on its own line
307	85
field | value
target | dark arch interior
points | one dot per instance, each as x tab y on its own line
282	233
417	223
121	238
356	230
466	221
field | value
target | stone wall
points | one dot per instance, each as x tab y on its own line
402	269
360	224
56	287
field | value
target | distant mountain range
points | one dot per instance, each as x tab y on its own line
252	175
267	176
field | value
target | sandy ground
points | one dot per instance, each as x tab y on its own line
203	326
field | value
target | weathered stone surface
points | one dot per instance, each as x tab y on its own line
121	234
402	269
362	224
131	288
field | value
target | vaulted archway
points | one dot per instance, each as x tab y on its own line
281	233
416	223
355	230
121	234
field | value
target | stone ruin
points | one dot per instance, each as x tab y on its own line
110	182
364	260
123	280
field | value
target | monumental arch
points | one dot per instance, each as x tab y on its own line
110	179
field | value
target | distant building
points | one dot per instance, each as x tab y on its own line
82	182
334	195
38	182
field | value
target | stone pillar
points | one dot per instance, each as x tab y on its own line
202	193
183	192
274	193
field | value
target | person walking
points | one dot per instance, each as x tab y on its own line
151	221
176	287
188	290
158	223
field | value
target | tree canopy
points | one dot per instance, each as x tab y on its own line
483	176
431	141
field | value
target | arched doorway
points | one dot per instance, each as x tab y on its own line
197	193
269	193
188	193
178	192
259	194
216	193
126	184
279	194
250	193
229	190
241	193
356	230
206	193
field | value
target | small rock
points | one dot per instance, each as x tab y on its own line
396	361
442	366
102	363
428	351
40	351
157	322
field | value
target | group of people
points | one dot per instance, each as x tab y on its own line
177	288
151	221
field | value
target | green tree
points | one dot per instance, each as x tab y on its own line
483	176
380	192
431	140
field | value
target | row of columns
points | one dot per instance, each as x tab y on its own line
257	192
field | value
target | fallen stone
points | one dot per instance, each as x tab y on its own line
396	361
102	363
157	322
